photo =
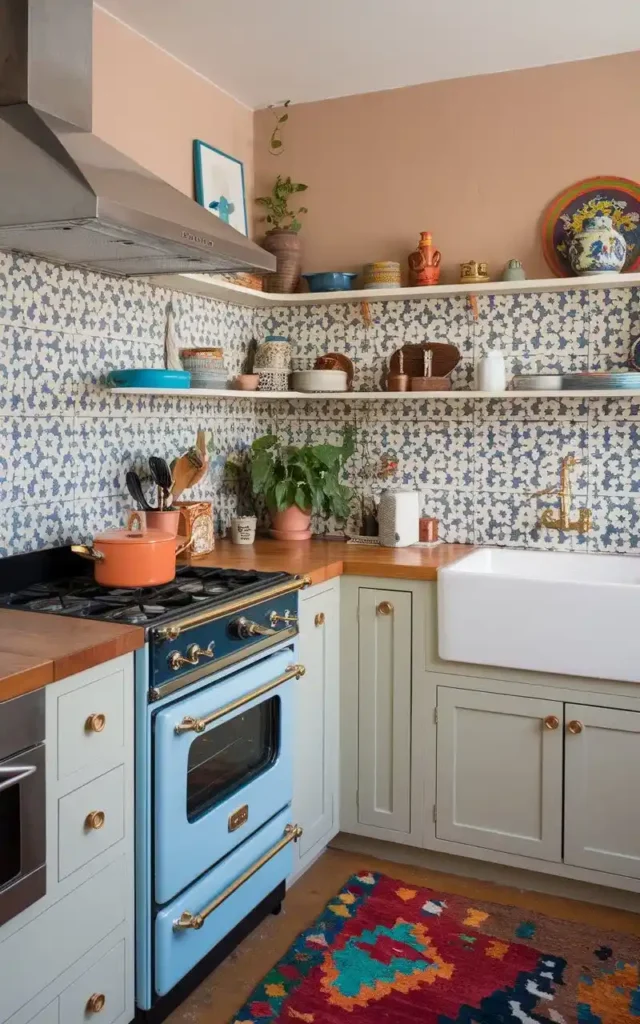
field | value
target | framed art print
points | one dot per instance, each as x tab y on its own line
219	180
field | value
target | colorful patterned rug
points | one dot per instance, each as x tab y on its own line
385	951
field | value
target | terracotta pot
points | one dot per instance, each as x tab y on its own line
292	524
131	558
285	246
166	521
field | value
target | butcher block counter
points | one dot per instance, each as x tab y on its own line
323	560
36	649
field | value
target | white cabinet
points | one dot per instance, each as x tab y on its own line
384	708
316	741
602	782
499	771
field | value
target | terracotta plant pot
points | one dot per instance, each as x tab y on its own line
292	524
285	246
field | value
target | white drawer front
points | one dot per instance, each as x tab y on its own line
91	725
90	820
99	993
50	1015
61	935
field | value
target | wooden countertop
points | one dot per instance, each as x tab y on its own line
38	649
323	560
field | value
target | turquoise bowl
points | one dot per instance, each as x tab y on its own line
179	379
334	281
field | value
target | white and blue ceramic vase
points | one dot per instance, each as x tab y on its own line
598	248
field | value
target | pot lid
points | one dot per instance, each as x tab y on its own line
134	537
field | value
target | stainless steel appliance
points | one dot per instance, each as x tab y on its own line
215	691
65	194
22	804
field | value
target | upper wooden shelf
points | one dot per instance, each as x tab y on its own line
214	287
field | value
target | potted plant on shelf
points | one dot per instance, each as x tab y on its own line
294	482
282	238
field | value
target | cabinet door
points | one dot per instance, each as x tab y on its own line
384	708
316	720
499	772
602	778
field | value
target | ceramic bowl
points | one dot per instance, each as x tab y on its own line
319	380
149	379
330	281
247	382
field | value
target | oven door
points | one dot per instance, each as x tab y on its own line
22	831
223	767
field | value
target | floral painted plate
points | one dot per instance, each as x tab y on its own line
618	198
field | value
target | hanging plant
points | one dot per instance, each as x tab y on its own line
276	146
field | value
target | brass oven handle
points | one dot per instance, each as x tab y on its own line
288	616
188	920
94	820
189	724
95	723
96	1003
192	657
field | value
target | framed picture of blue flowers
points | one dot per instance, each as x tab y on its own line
219	181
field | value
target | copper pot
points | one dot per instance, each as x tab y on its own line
131	558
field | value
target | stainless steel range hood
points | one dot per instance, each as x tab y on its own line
68	196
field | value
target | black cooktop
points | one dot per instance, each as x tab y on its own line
38	582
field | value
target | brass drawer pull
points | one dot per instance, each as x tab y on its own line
192	657
94	820
551	722
189	724
95	723
319	619
96	1003
287	618
575	727
188	920
385	608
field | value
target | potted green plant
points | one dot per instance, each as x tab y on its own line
296	481
282	238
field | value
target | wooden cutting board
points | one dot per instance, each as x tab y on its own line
445	359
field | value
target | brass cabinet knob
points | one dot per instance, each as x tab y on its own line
94	820
319	619
385	608
551	722
575	727
96	1002
95	723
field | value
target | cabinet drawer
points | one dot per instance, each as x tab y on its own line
99	993
50	1015
90	820
91	725
61	935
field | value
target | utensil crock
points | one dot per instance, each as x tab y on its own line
131	558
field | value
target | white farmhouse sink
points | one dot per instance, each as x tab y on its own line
543	610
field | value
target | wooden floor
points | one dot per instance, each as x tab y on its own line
224	992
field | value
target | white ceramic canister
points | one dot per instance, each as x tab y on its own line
243	529
399	518
491	373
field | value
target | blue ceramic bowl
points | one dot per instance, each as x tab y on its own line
333	281
149	379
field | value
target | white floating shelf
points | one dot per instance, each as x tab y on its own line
371	396
214	287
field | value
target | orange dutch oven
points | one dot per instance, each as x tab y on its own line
131	558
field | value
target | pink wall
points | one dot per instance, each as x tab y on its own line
474	160
152	107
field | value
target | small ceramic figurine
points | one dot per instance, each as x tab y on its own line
598	248
473	272
514	271
424	262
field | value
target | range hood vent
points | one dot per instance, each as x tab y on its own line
65	194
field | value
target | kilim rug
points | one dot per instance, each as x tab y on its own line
386	951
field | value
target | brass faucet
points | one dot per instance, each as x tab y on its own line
563	521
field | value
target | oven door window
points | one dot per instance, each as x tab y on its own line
10	831
230	755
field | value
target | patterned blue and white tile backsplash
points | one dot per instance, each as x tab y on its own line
66	442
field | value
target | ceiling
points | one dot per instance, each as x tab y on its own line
264	52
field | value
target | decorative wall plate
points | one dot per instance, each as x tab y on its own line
618	198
